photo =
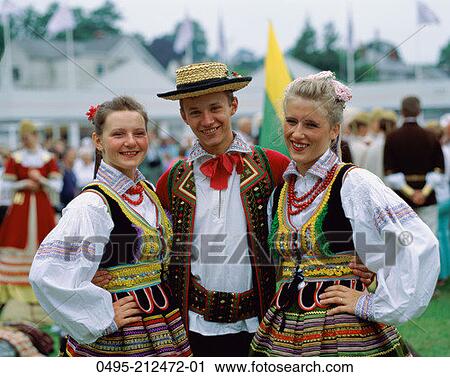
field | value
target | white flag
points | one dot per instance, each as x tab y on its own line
63	19
8	9
425	15
184	36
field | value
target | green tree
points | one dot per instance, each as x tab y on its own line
328	59
99	22
245	62
162	47
30	23
199	42
444	58
305	48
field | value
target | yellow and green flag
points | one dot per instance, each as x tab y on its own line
277	79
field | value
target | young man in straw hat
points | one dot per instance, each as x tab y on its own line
219	272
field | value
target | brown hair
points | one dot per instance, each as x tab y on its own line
229	93
121	103
410	106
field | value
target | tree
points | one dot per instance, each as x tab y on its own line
100	21
331	37
244	62
328	59
199	42
305	48
444	58
162	47
32	24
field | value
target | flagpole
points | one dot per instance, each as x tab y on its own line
350	52
418	73
7	73
70	50
190	52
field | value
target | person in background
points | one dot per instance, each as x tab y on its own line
5	198
69	188
360	138
383	123
84	166
444	205
31	174
414	163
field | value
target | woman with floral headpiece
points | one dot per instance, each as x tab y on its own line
116	224
324	213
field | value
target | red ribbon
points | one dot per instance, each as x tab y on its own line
219	168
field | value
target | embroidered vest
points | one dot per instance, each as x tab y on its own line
256	185
135	250
323	246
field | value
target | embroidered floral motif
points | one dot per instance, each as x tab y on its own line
67	251
238	145
117	180
399	213
320	169
364	307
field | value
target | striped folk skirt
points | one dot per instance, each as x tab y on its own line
160	332
305	329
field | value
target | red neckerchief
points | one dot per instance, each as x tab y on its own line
219	168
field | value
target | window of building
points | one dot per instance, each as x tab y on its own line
16	74
100	69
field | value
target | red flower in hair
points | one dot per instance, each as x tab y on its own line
235	74
91	113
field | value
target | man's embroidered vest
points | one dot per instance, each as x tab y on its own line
256	185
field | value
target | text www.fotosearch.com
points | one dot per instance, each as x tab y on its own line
266	367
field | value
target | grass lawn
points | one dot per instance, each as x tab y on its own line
429	335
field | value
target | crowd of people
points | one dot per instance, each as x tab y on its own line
236	250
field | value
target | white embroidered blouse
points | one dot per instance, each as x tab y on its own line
61	276
404	288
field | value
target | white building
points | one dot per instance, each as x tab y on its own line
120	65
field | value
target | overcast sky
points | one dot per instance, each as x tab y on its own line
245	21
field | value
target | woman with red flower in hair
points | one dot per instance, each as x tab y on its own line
117	225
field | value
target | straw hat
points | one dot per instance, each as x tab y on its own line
203	78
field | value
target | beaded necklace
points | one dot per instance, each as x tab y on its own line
298	204
135	190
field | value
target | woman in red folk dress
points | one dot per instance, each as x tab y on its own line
31	175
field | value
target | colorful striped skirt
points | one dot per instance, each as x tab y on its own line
160	332
305	329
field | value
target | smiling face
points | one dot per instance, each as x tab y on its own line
124	141
209	117
307	132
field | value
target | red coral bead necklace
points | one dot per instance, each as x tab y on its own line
298	204
135	190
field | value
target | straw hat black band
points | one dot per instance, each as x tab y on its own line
210	86
203	78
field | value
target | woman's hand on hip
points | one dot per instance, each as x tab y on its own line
101	278
126	311
342	297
